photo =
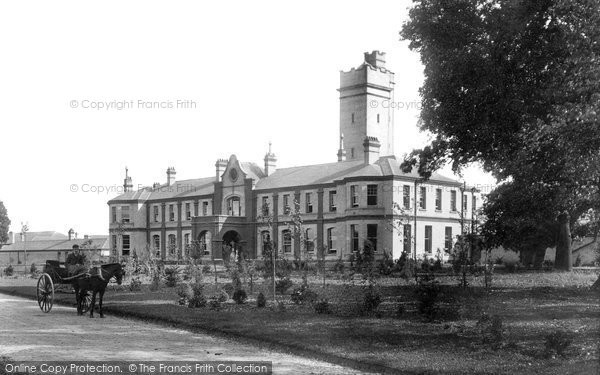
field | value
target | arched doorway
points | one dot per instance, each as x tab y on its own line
232	246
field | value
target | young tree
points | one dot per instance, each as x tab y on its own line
4	224
514	86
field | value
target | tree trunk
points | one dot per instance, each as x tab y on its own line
564	257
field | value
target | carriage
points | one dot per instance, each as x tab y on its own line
56	274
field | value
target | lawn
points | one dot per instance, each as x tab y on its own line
395	336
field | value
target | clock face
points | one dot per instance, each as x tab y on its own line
233	174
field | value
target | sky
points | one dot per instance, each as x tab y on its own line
90	88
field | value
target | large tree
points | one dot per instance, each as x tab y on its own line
515	86
4	224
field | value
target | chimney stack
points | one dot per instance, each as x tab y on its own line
341	152
220	166
270	162
371	145
127	184
71	233
170	175
155	185
86	237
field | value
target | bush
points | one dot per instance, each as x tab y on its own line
229	289
214	303
427	295
172	277
339	266
303	295
490	329
223	296
512	266
557	342
371	300
240	296
197	299
261	301
282	285
322	307
206	269
281	306
8	271
135	285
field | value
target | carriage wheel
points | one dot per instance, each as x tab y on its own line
45	292
87	302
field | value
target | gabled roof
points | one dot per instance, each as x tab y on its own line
330	172
97	242
178	189
40	236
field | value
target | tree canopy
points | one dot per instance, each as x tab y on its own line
4	223
515	86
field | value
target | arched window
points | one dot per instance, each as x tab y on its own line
287	241
234	208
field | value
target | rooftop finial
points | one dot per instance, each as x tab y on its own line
126	172
269	147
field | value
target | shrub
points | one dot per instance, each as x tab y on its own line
427	295
184	291
371	300
155	284
281	307
512	266
322	307
206	269
172	277
240	296
303	295
557	342
135	285
223	296
8	271
197	299
214	303
400	310
282	285
229	289
490	329
261	301
339	266
548	265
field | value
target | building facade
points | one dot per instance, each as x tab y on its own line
362	199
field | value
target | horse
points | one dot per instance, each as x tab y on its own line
97	285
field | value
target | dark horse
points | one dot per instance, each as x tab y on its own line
96	284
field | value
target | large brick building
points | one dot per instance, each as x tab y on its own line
342	204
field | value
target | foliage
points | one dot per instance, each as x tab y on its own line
4	224
427	295
557	342
515	87
339	266
261	301
303	295
185	293
322	307
229	289
8	271
33	269
135	284
491	330
240	296
371	299
282	285
223	296
171	276
198	299
236	282
215	303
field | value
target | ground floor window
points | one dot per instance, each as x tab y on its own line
428	230
331	237
287	241
372	235
126	245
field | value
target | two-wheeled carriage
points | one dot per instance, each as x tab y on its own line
57	274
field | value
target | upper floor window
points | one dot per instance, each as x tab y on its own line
453	200
332	205
204	208
265	206
113	212
286	204
171	212
172	243
234	208
474	203
464	202
353	196
406	196
371	195
156	215
188	211
353	118
287	241
309	205
423	198
125	214
438	199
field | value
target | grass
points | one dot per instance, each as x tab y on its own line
532	305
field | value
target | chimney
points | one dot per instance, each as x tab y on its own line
341	152
170	175
71	233
127	184
220	166
270	162
376	59
155	185
371	145
86	237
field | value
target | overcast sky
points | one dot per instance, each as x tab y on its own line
257	71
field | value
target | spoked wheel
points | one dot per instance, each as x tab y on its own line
45	292
87	302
